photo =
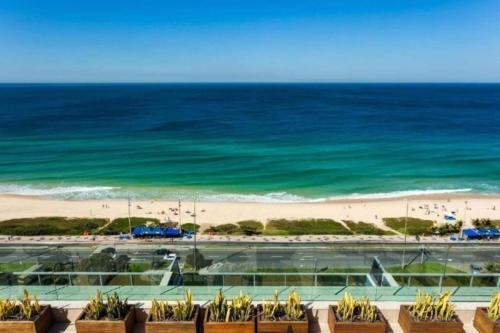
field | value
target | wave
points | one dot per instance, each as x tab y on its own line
399	194
109	192
57	191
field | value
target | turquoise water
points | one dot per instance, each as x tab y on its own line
248	142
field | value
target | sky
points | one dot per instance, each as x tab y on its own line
250	41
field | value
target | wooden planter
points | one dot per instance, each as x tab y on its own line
409	325
284	326
174	326
483	323
230	327
40	324
126	325
355	327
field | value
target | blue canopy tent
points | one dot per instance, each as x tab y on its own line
143	231
482	233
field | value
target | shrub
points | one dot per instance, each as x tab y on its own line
189	227
305	227
447	228
121	225
223	229
415	226
364	228
50	226
251	227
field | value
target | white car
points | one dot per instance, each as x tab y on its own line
171	256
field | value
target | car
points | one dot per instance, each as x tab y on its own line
170	256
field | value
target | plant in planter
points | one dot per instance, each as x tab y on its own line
113	316
487	320
351	315
287	318
236	317
430	314
180	317
24	316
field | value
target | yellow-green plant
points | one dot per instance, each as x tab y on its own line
428	307
116	308
29	307
8	309
160	310
350	309
96	308
272	310
494	307
367	312
181	311
219	309
445	310
293	308
241	308
26	308
345	308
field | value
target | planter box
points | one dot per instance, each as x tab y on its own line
106	326
230	327
41	324
355	327
174	326
409	325
284	326
483	323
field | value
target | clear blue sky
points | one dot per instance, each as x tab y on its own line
249	40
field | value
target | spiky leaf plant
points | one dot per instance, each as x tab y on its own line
181	311
494	308
219	309
350	309
241	308
293	308
96	308
26	308
431	308
8	309
116	308
273	309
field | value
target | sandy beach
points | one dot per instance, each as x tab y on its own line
466	207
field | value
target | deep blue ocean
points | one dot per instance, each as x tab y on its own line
248	141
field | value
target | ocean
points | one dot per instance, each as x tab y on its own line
248	142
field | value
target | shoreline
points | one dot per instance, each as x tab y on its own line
466	206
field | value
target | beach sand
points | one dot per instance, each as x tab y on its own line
432	207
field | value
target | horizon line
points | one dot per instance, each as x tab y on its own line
239	82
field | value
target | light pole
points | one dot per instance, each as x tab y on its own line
406	231
180	213
445	266
129	222
194	222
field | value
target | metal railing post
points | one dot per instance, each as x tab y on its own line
100	279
